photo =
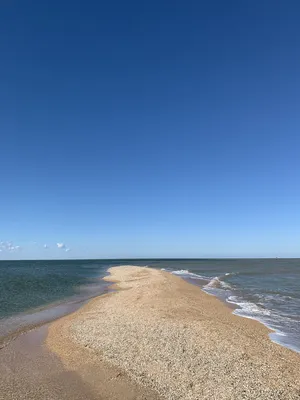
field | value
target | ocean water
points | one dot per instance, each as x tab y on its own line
32	292
268	290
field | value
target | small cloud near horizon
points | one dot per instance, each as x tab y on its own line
8	246
46	246
67	250
61	245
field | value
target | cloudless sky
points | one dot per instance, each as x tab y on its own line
149	129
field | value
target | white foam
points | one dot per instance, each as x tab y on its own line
225	285
217	283
214	283
248	308
187	274
181	272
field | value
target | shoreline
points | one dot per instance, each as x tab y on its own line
18	324
276	335
15	333
41	374
105	331
61	308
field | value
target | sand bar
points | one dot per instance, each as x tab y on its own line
173	341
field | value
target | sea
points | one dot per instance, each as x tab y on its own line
267	290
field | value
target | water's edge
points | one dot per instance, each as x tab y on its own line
275	335
52	312
20	324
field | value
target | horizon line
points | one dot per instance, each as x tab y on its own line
152	258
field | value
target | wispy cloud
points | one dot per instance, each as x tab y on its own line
8	246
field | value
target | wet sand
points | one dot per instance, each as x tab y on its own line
165	335
28	370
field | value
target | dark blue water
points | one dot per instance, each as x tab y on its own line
266	290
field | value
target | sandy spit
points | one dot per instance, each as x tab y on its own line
167	339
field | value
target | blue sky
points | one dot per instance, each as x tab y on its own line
149	129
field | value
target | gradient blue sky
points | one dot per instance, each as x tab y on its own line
149	129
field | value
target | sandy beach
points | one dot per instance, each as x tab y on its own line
158	336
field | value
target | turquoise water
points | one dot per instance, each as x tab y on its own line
267	290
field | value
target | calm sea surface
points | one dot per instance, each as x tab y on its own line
268	290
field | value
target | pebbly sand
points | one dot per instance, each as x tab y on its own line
159	337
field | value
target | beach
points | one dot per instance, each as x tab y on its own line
158	336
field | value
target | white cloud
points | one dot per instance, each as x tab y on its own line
67	250
46	246
8	246
60	245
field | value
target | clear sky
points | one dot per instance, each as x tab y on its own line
149	129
